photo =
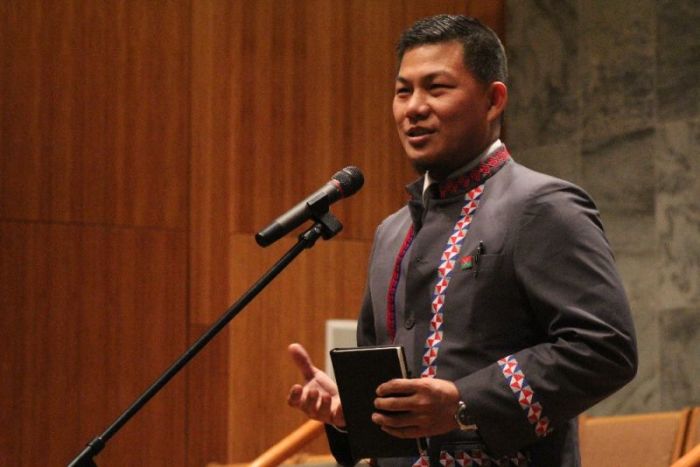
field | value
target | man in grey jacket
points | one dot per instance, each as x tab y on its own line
498	281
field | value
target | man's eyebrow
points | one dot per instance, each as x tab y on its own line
427	77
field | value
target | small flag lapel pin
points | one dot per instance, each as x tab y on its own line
466	262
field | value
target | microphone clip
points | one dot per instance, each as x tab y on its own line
328	224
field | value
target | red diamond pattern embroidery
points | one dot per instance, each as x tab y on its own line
423	461
477	457
524	394
449	259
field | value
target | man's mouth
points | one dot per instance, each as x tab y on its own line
418	131
417	136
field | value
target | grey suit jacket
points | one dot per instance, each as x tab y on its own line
547	302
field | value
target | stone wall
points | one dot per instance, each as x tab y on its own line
607	94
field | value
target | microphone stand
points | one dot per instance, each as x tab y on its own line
326	225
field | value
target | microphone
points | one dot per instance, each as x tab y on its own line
344	183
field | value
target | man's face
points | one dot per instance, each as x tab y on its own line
440	109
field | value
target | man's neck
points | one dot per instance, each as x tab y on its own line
428	180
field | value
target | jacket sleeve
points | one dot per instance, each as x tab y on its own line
566	275
340	446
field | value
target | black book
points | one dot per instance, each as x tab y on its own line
358	373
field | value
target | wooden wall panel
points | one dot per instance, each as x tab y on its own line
89	317
95	111
215	188
326	281
94	159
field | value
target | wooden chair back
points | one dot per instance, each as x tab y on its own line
653	439
692	437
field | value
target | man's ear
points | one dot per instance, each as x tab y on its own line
498	92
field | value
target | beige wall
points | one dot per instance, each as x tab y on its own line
142	144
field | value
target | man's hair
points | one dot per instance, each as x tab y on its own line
483	52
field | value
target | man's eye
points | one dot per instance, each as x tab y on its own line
438	86
402	91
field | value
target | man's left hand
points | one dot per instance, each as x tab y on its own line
424	407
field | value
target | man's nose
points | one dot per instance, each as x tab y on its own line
417	107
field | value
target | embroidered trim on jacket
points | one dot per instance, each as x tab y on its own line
447	264
523	392
391	294
477	457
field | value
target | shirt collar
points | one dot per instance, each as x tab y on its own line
428	180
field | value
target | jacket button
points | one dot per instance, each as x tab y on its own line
408	324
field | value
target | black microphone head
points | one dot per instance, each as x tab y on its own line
350	180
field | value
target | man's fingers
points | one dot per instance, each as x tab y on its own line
393	421
324	408
339	417
402	425
398	387
397	395
309	401
394	404
294	395
302	360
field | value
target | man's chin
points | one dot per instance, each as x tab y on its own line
437	171
420	163
420	167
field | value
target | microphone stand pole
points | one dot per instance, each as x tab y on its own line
326	226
